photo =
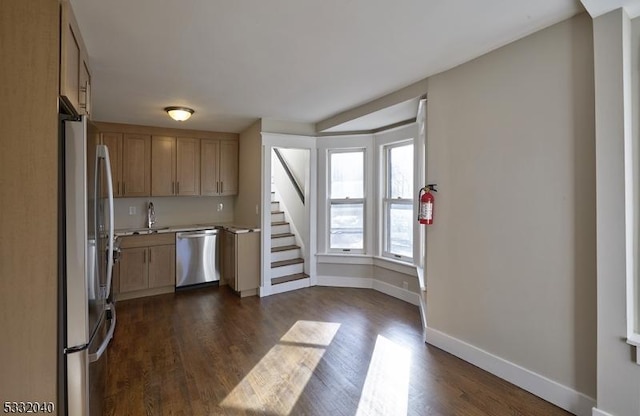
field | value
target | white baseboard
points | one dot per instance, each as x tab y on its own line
369	283
597	412
551	391
397	292
283	287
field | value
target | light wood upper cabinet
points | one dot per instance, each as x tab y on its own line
175	166
136	165
188	166
113	141
75	76
163	166
219	167
228	167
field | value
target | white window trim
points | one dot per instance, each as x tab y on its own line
403	134
386	200
339	201
345	142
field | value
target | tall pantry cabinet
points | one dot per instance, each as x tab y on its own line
29	46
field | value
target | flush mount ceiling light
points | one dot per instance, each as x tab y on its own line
179	113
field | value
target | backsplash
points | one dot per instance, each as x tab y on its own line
132	212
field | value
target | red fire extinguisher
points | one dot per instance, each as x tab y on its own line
425	211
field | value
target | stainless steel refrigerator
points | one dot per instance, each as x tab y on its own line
86	313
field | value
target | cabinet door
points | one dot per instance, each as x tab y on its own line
113	141
163	166
229	168
162	266
188	166
247	261
228	259
210	154
70	51
136	165
84	93
134	272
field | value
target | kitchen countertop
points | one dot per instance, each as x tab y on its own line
234	228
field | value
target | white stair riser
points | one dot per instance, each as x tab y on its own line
286	255
283	241
275	206
279	217
287	270
280	229
273	197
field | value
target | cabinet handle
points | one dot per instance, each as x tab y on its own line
144	256
217	187
124	188
149	256
221	186
118	188
173	188
178	186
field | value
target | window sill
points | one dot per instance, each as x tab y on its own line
383	262
634	340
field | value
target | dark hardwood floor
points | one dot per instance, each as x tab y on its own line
317	351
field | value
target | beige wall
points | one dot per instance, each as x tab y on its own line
29	39
616	44
511	257
249	176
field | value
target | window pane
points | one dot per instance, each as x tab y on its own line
347	175
347	229
401	171
401	229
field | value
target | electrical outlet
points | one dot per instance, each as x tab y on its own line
257	209
132	210
220	207
405	285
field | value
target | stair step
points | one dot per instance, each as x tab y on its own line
286	262
289	278
285	270
280	227
282	235
277	217
283	239
284	248
285	252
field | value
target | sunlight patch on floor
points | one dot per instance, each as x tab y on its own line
275	383
386	388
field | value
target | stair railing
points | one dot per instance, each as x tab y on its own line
292	178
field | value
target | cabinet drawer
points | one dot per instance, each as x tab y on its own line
147	240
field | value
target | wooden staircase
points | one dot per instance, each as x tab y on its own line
287	263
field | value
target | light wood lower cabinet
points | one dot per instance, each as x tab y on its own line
241	262
147	266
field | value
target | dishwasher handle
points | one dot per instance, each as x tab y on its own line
197	234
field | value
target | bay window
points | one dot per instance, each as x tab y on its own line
397	201
346	200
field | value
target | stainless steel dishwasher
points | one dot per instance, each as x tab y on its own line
197	258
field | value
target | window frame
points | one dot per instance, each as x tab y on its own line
387	200
344	201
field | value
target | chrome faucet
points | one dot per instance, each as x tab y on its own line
151	215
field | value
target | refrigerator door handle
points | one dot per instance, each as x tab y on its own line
103	152
103	347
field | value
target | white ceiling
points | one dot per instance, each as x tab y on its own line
236	61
